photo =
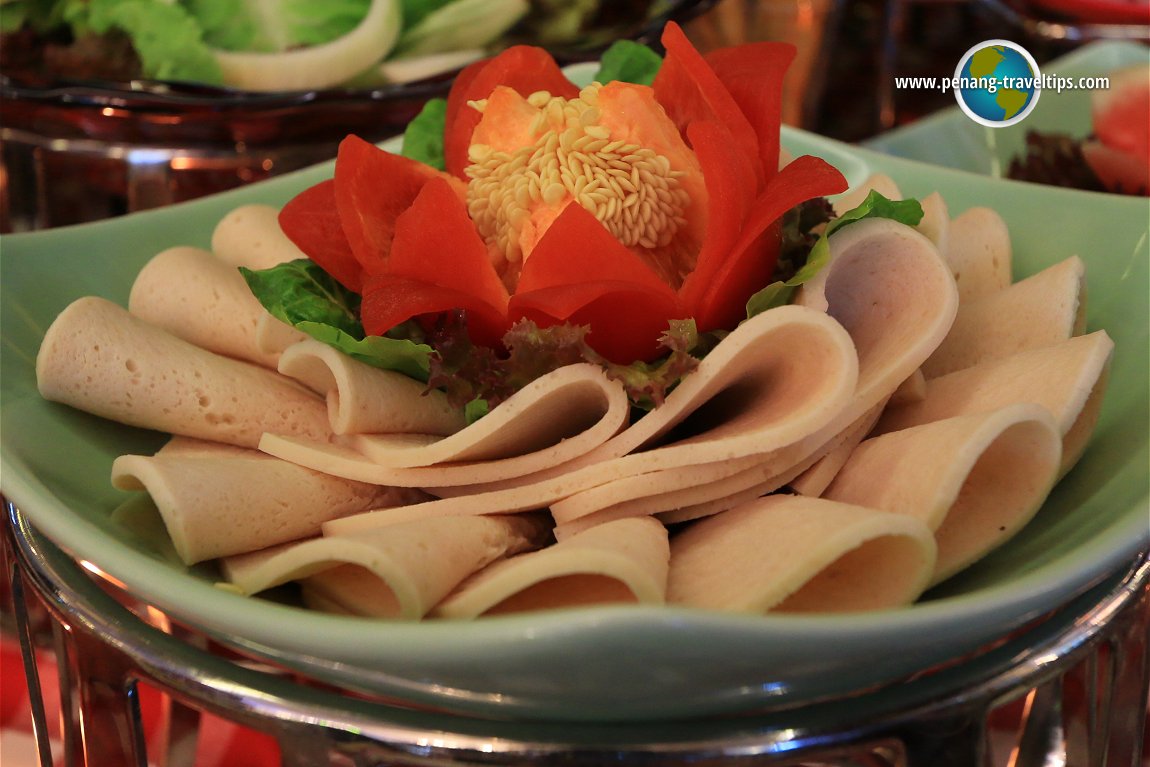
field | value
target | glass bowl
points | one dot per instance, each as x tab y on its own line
77	151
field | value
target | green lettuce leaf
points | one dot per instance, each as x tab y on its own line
398	354
562	22
875	205
301	291
304	296
629	62
168	40
460	25
13	15
274	26
476	409
423	137
415	11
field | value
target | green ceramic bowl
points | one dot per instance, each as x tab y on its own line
606	664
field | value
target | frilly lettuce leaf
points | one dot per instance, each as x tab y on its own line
168	39
648	383
478	378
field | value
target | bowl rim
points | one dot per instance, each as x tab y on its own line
1008	604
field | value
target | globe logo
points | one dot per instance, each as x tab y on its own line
997	83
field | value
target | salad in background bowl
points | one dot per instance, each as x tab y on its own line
1064	129
1114	157
135	111
290	45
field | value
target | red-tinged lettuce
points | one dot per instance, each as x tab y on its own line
477	377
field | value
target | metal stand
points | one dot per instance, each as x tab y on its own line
1082	675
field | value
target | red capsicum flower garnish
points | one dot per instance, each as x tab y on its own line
617	206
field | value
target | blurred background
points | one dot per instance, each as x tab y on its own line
84	137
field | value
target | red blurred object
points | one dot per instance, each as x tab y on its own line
1120	155
219	743
1098	11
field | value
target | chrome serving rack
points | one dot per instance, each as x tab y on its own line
1079	679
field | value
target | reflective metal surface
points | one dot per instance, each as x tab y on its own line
1035	25
1078	681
